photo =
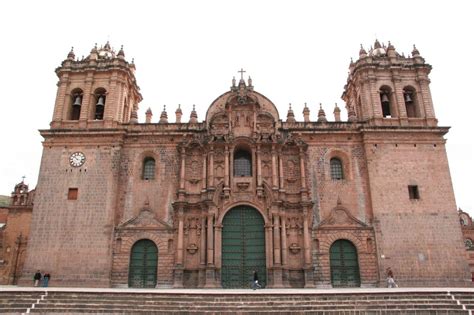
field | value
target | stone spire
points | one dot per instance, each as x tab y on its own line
321	114
179	114
193	119
94	54
290	118
163	116
337	113
362	52
306	113
71	55
391	52
148	115
121	53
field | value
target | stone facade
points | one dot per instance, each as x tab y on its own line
371	188
468	235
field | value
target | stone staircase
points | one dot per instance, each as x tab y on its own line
245	302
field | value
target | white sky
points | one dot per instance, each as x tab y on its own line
188	51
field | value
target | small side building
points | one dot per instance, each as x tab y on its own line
15	221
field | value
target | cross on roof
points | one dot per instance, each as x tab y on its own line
23	178
241	73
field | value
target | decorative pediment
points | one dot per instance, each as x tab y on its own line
145	219
340	217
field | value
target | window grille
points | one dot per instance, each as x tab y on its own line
242	163
149	168
336	169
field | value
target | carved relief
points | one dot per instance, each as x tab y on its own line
220	124
192	223
294	224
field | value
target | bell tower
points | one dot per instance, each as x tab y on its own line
388	89
97	91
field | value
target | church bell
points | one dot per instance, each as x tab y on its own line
408	98
100	101
77	101
385	98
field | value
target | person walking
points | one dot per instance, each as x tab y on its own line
255	284
37	277
390	280
46	278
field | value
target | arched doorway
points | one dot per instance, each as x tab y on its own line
344	264
243	247
143	265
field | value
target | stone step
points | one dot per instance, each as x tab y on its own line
70	311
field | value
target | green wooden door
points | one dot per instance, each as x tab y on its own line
143	265
344	264
243	248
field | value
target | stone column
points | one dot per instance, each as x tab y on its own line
210	269
179	254
276	240
284	252
210	240
284	248
183	168
204	172
179	268
274	169
308	271
302	169
202	253
226	167
280	162
259	166
211	167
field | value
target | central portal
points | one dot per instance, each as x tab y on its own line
243	248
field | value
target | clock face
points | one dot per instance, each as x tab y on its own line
77	159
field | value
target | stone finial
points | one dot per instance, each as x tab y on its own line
71	54
163	116
337	113
193	119
291	116
306	113
107	46
94	55
362	52
148	115
234	84
321	114
121	53
391	50
351	115
179	114
415	52
250	81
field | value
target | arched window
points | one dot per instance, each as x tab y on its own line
336	169
386	101
411	106
76	102
242	163
100	96
149	168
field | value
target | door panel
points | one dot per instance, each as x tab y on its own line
243	248
344	264
143	265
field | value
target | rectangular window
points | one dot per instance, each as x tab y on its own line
72	193
413	192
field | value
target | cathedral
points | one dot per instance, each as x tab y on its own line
206	203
